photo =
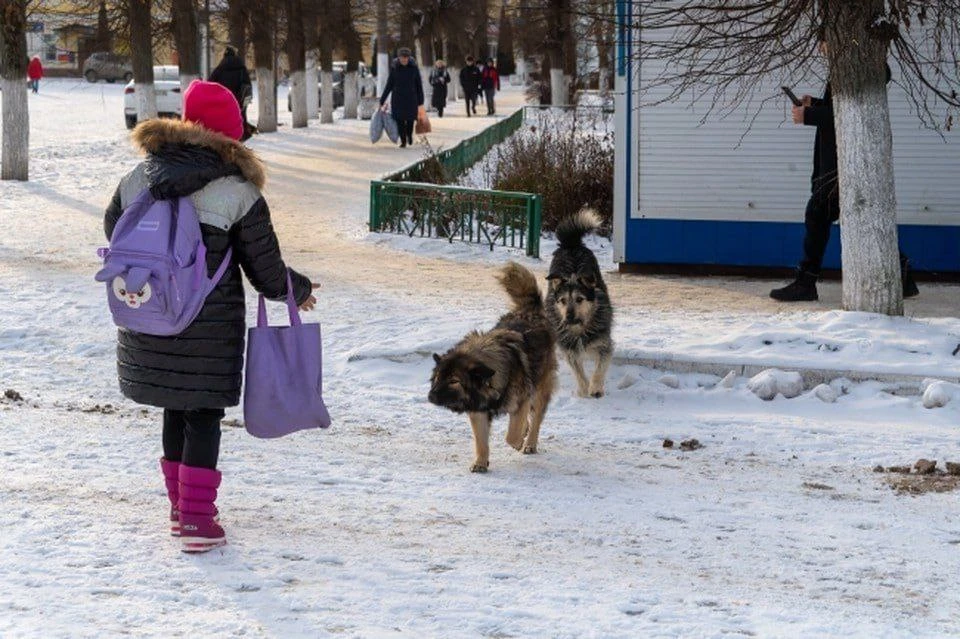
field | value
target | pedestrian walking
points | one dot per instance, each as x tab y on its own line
197	373
406	87
823	207
232	73
490	80
471	80
34	73
439	79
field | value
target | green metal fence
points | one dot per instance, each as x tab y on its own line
455	213
402	203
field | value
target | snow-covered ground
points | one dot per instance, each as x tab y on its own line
777	527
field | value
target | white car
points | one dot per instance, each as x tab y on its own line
166	82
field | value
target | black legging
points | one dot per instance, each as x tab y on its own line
406	131
192	437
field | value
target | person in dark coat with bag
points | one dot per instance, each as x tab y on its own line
823	207
471	81
406	86
490	80
439	79
193	376
232	73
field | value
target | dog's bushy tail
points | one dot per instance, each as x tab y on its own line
571	230
521	286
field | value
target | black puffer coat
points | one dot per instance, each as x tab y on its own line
406	85
232	73
203	366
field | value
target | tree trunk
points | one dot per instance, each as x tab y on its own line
425	58
186	34
558	87
327	36
296	58
141	48
311	40
383	57
237	18
15	152
104	35
261	34
354	51
868	203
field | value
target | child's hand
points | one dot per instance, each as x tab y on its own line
311	301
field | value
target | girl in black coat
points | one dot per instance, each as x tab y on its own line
193	376
439	79
407	88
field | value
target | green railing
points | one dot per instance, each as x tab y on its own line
479	216
402	202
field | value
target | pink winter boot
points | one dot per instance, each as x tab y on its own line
199	530
171	475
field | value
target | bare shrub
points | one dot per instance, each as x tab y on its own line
568	164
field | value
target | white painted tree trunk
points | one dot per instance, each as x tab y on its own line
557	88
298	98
383	71
868	204
15	155
266	101
326	101
453	89
351	95
146	101
313	86
186	79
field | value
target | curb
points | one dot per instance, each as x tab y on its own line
906	383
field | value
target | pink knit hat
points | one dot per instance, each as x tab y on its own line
212	106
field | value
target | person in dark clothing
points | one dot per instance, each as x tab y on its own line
194	375
439	79
232	73
490	81
471	82
823	207
406	85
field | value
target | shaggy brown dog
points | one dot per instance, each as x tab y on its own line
578	305
510	369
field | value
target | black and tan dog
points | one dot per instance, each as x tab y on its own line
578	305
510	369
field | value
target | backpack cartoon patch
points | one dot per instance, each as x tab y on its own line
155	269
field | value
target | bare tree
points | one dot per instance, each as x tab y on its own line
383	46
261	35
721	51
311	38
15	155
186	35
328	26
141	48
296	58
238	21
353	48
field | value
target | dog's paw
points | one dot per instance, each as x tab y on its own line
479	468
516	445
529	450
597	394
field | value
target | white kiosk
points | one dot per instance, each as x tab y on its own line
729	194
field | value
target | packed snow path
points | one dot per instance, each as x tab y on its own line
776	527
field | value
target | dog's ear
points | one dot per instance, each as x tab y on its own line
436	358
481	372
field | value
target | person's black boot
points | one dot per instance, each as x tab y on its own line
906	276
802	289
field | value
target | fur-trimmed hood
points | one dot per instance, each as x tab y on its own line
154	134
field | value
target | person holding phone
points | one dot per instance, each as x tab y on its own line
823	207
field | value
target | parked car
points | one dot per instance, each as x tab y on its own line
166	83
108	66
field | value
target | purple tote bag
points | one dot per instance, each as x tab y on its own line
283	387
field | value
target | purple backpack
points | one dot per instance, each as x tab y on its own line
156	266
